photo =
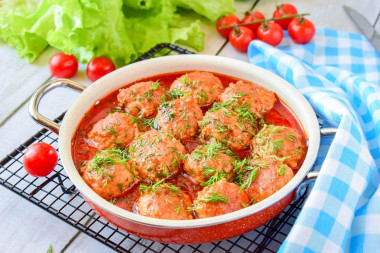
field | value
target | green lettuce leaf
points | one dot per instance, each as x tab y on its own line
139	4
186	32
211	9
121	30
16	20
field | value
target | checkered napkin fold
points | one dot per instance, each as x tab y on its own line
339	74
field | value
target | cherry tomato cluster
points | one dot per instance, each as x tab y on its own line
66	65
254	25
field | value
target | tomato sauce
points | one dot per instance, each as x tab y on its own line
82	150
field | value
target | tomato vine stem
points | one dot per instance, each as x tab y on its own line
265	20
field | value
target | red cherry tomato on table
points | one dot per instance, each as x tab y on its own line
99	67
225	21
40	159
271	33
284	9
240	38
250	17
63	65
301	30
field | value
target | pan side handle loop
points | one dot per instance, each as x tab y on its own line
42	91
313	175
328	131
309	179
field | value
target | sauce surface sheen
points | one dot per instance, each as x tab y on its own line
83	150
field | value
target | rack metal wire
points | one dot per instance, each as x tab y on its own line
57	195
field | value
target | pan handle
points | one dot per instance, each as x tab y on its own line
328	131
302	188
42	91
312	175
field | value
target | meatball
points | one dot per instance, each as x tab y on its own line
209	163
221	198
203	86
156	155
142	99
269	176
233	129
165	201
109	174
115	130
260	100
179	118
284	142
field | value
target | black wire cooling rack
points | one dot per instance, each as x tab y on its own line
58	196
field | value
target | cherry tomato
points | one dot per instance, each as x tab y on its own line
99	67
241	37
250	17
284	9
271	33
226	20
63	65
301	30
40	159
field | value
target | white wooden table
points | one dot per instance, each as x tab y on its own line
27	228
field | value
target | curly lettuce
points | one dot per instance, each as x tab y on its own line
119	29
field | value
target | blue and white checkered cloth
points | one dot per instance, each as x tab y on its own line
339	74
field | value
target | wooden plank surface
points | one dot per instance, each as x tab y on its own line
27	228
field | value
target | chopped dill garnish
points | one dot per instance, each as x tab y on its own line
153	187
184	79
155	85
211	151
252	201
297	151
278	159
173	188
187	82
241	111
148	95
170	136
174	163
207	170
183	114
191	208
165	108
215	197
246	171
150	122
143	123
281	170
270	129
103	163
291	137
110	129
221	128
120	154
262	121
50	249
178	209
216	175
276	144
177	93
203	95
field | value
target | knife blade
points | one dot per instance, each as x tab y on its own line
364	26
